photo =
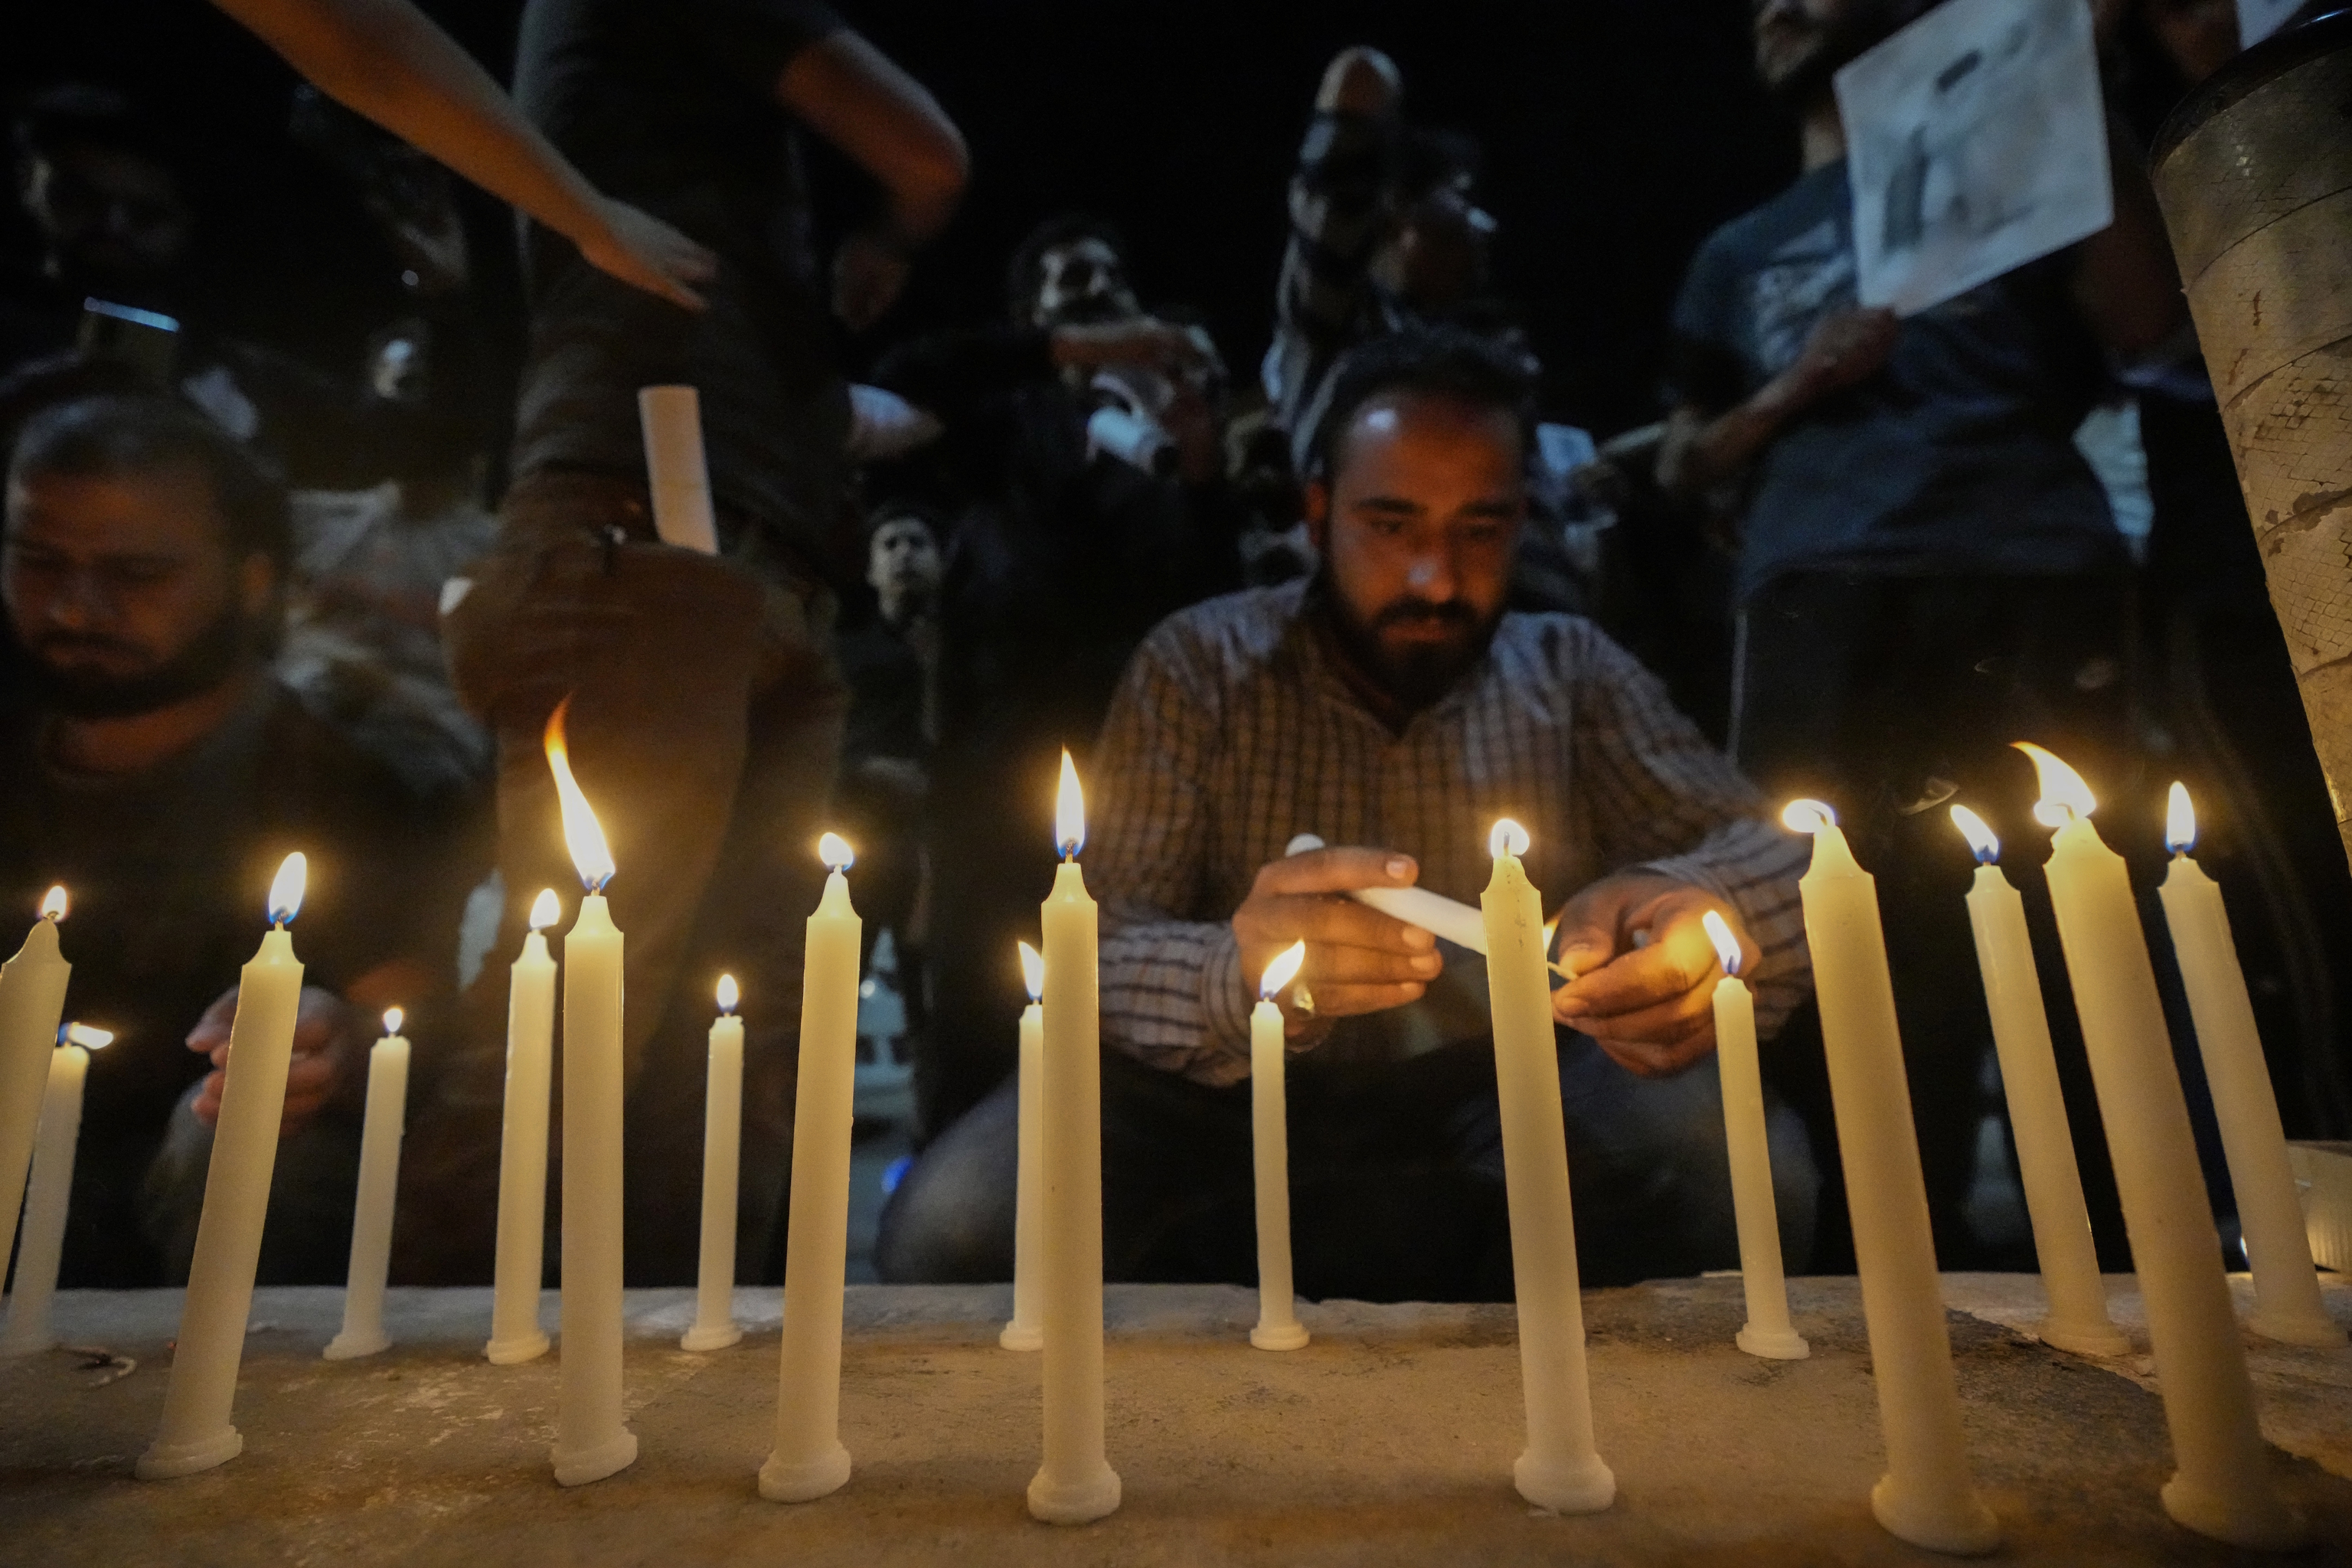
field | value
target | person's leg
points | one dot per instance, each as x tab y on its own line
307	1238
951	1219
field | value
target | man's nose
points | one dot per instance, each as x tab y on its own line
1431	576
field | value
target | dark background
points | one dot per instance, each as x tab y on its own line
1617	133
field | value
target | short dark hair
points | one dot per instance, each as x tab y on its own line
1436	361
118	434
1027	269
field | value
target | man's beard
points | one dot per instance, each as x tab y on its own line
1835	46
88	693
1418	674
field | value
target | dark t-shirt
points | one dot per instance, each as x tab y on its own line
671	105
169	873
1957	457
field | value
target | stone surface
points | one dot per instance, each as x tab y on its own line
1387	1439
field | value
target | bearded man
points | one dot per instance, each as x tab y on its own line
1392	706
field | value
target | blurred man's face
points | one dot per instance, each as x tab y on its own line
1418	524
1801	44
1082	282
107	216
904	565
1436	253
123	591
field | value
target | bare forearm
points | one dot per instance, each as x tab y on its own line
888	125
1699	453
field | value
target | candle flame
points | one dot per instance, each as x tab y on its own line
88	1039
836	852
1726	946
394	1018
1507	838
2180	820
1807	816
2064	795
1070	811
1982	841
545	910
582	836
53	906
1032	970
1282	970
728	995
286	890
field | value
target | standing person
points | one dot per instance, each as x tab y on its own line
1928	569
706	704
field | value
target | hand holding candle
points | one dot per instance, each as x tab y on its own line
515	1334
1768	1331
387	1100
722	1130
1278	1328
49	1193
1026	1331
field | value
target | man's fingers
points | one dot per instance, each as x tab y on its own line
1645	1059
1346	1001
1340	870
1343	922
1328	966
1631	981
1669	1022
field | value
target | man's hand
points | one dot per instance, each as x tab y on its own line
1703	450
1844	347
1138	339
1358	959
868	271
639	249
331	1039
1651	1008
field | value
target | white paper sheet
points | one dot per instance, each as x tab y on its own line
1977	141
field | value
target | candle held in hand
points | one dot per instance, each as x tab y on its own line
49	1193
722	1130
195	1433
1026	1332
515	1334
1278	1328
32	1003
1768	1331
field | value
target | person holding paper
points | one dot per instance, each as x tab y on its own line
1928	569
706	702
1394	708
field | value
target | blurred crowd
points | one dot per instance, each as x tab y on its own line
258	599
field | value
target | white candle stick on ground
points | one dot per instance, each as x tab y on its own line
195	1433
515	1332
809	1460
372	1213
1926	1497
592	1440
49	1194
32	1003
1076	1483
722	1130
1561	1469
2223	1487
2269	1216
1768	1331
1026	1332
677	474
2078	1317
1278	1328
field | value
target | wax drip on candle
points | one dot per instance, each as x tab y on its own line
2180	820
1032	970
728	995
836	852
286	892
1281	970
2064	795
85	1036
582	834
1983	843
545	910
394	1018
53	906
1070	811
1726	946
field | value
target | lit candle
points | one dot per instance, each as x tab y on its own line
49	1193
2278	1248
1926	1497
515	1334
1768	1331
195	1433
1076	1483
1026	1332
1278	1328
809	1460
387	1106
2078	1317
592	1439
1561	1469
723	1131
2222	1486
32	1001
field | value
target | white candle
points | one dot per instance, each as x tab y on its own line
387	1108
2078	1317
1768	1331
1278	1328
670	417
515	1333
1926	1497
195	1434
2269	1216
1561	1469
591	1439
49	1194
809	1460
1076	1482
722	1130
2222	1486
1026	1331
32	1003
